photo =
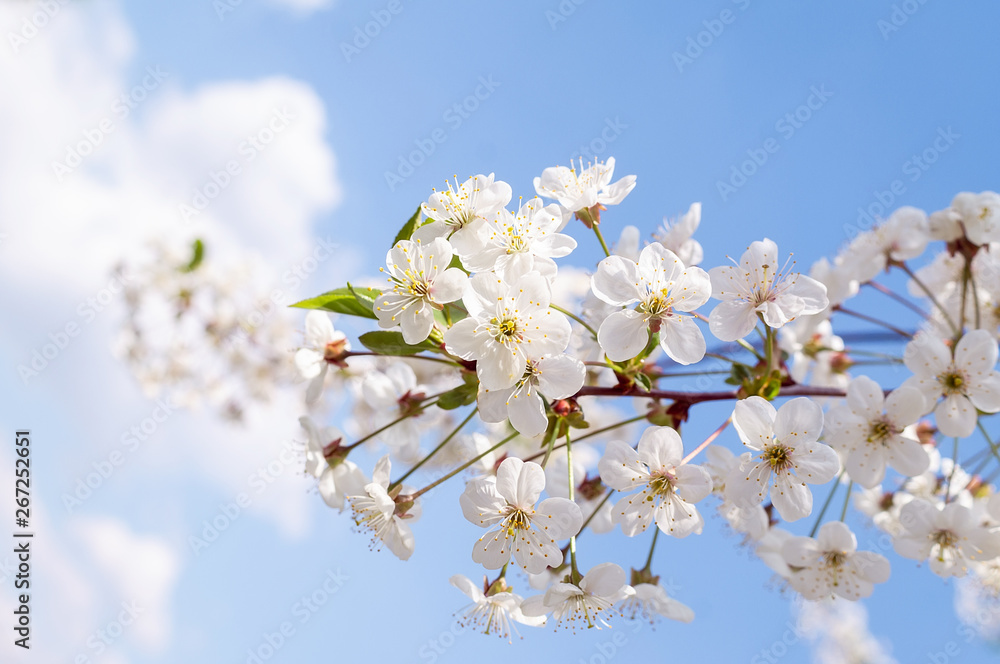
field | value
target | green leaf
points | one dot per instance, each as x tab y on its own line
463	395
388	342
643	382
351	301
407	230
364	296
198	254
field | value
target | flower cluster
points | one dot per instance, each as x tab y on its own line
202	331
546	389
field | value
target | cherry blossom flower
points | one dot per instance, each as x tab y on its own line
662	288
506	324
882	507
667	489
785	455
336	481
421	282
817	355
324	346
677	236
974	216
524	531
870	430
515	244
903	236
494	609
749	519
376	511
588	604
757	286
389	394
840	282
555	377
832	565
651	600
968	380
460	212
949	536
587	192
770	549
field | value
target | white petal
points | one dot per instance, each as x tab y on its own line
660	448
753	419
449	286
560	376
797	421
792	499
558	517
623	335
620	467
956	416
732	320
617	281
527	411
681	339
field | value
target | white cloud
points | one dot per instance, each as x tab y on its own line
63	90
140	570
303	6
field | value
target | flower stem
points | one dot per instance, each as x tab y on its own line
986	435
930	295
357	353
464	466
707	441
586	522
873	320
569	472
652	547
396	421
600	238
436	449
847	499
746	344
576	318
896	296
592	433
819	519
954	467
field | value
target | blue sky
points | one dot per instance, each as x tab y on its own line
681	96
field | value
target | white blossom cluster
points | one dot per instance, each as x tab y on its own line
193	332
507	361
